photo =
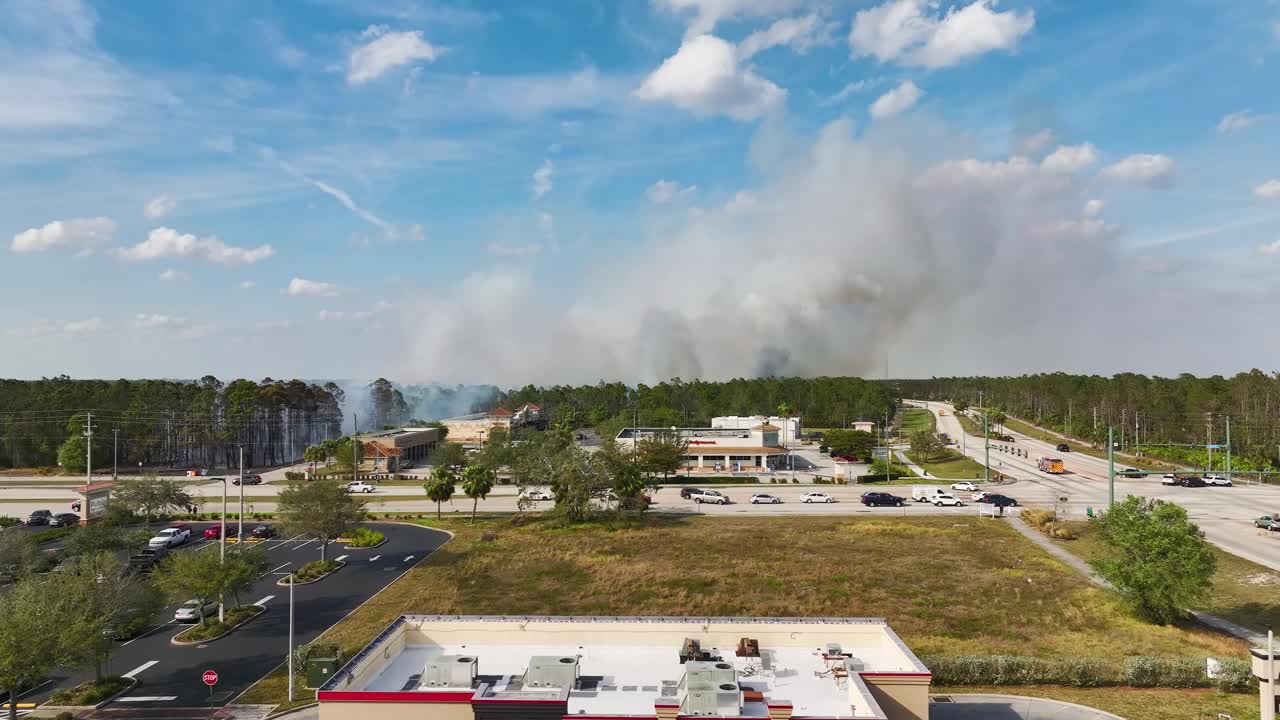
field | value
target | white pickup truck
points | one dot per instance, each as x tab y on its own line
934	494
359	486
714	497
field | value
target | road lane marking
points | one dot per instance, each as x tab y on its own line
375	557
408	558
147	698
140	668
340	558
265	600
283	566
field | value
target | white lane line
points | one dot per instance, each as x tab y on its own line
408	558
340	558
375	557
140	668
283	566
304	544
147	698
265	600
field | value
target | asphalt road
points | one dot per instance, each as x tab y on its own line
170	675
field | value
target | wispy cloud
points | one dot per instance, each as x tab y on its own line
542	179
158	207
386	50
82	234
301	287
166	242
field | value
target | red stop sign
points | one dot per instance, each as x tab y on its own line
210	677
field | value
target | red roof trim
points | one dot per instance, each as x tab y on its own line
414	696
607	717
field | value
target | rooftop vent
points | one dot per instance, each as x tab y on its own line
450	671
748	647
691	649
551	671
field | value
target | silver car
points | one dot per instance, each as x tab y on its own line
191	611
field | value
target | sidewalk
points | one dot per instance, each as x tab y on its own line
1082	567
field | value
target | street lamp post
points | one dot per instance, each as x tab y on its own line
222	548
291	637
240	517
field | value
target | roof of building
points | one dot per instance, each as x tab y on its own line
500	412
628	666
528	406
767	427
466	418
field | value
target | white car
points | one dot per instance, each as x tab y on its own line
965	486
1216	480
940	499
359	486
765	499
1169	479
536	495
191	611
977	497
170	537
816	497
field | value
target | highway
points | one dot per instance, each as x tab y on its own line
1225	514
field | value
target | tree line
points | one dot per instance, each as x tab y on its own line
1185	410
163	423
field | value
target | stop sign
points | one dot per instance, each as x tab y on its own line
210	677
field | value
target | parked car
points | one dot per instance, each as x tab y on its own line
213	533
1131	472
64	520
937	496
359	486
1268	522
39	517
765	499
248	480
1217	480
875	499
536	495
264	531
998	500
1169	479
192	610
686	493
816	497
1191	481
171	537
978	496
966	486
1063	447
715	497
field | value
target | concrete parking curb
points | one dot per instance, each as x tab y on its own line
185	643
1056	704
284	581
133	683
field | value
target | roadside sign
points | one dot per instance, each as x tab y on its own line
210	677
880	453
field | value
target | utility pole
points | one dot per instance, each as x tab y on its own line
240	516
115	453
1111	467
1228	448
986	464
291	583
1095	417
1208	439
88	445
355	443
1069	408
222	548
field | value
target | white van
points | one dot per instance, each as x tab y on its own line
934	494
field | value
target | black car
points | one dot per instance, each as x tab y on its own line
875	499
1063	447
249	480
1191	481
64	520
262	532
999	500
40	517
685	493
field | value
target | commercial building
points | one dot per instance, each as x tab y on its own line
789	427
756	449
616	668
863	425
392	450
474	428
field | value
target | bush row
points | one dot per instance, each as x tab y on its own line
1046	521
6	521
1137	671
365	537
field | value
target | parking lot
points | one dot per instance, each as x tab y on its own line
170	675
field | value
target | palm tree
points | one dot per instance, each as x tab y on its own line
477	481
440	488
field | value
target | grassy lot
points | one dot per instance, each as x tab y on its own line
953	586
951	465
915	419
1135	703
1243	592
1082	446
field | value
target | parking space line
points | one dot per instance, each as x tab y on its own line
140	668
340	558
375	557
265	600
147	698
304	544
283	566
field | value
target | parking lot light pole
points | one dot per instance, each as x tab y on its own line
222	548
240	517
1111	467
291	637
986	464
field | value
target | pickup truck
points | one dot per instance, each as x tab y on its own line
171	537
359	486
715	497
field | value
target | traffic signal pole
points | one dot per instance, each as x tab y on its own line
986	465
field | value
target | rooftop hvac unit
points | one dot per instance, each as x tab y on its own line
691	649
722	700
551	671
704	675
450	671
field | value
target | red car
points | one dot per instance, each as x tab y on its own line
213	533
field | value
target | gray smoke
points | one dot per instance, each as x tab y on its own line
848	252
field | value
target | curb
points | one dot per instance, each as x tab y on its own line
367	547
184	643
282	581
291	711
1097	714
133	683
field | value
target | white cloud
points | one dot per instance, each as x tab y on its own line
337	194
704	77
1238	121
848	90
667	190
164	242
81	233
1070	158
896	100
1155	171
709	12
387	50
171	275
78	328
506	250
1094	208
1270	248
159	206
331	315
910	33
299	287
1035	142
546	224
1269	190
799	33
542	179
154	321
247	284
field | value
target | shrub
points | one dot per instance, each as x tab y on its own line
1136	671
315	649
1234	675
364	537
65	715
6	521
294	476
822	481
315	569
1037	519
823	449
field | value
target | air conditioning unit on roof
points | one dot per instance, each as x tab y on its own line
450	671
551	671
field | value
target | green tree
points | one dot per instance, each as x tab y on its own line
925	445
960	406
857	443
440	487
998	419
243	567
43	627
784	409
93	539
150	496
321	508
477	481
449	453
195	575
498	452
19	555
663	452
1155	557
314	454
105	593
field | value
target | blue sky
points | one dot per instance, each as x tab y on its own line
508	192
